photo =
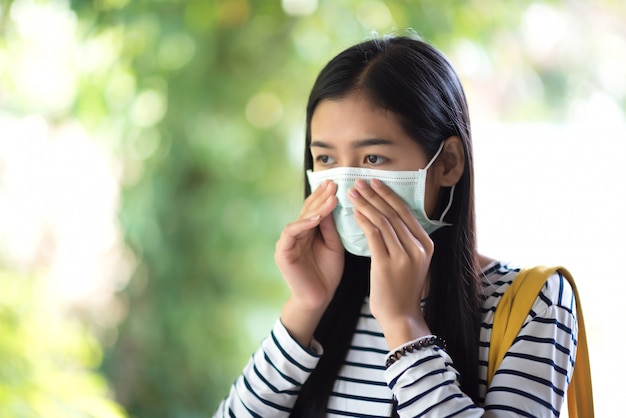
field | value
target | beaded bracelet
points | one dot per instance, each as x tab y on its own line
418	344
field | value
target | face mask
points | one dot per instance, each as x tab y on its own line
409	185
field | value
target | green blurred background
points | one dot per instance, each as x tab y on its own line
150	154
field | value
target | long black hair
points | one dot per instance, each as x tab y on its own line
415	81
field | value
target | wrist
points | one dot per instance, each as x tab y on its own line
301	321
399	331
415	345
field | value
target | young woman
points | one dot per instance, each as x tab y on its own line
383	255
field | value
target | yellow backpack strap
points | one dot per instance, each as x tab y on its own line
509	317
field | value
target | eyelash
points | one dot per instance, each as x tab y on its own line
320	159
378	157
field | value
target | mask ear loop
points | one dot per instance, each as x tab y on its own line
445	211
435	156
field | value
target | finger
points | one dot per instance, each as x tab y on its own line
375	240
313	200
322	208
329	233
378	227
304	226
295	231
375	206
394	206
321	202
405	213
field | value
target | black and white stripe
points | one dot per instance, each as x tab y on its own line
531	380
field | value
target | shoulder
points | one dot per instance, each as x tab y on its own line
495	280
557	292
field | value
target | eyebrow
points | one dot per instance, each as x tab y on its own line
355	144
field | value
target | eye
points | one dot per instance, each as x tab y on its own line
375	159
324	159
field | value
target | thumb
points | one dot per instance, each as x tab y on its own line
330	234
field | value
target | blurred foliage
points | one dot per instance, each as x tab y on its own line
49	363
203	102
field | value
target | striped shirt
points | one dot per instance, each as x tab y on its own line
531	380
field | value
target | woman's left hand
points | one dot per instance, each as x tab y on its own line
401	254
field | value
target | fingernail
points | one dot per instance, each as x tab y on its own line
314	218
375	183
361	184
353	193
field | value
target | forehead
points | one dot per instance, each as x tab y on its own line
353	117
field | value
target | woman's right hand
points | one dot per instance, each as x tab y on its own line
311	261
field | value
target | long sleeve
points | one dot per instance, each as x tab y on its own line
425	383
531	381
271	381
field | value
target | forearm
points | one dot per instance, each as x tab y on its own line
270	382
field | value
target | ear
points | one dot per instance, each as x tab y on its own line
451	162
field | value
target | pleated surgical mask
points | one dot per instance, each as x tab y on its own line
408	185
